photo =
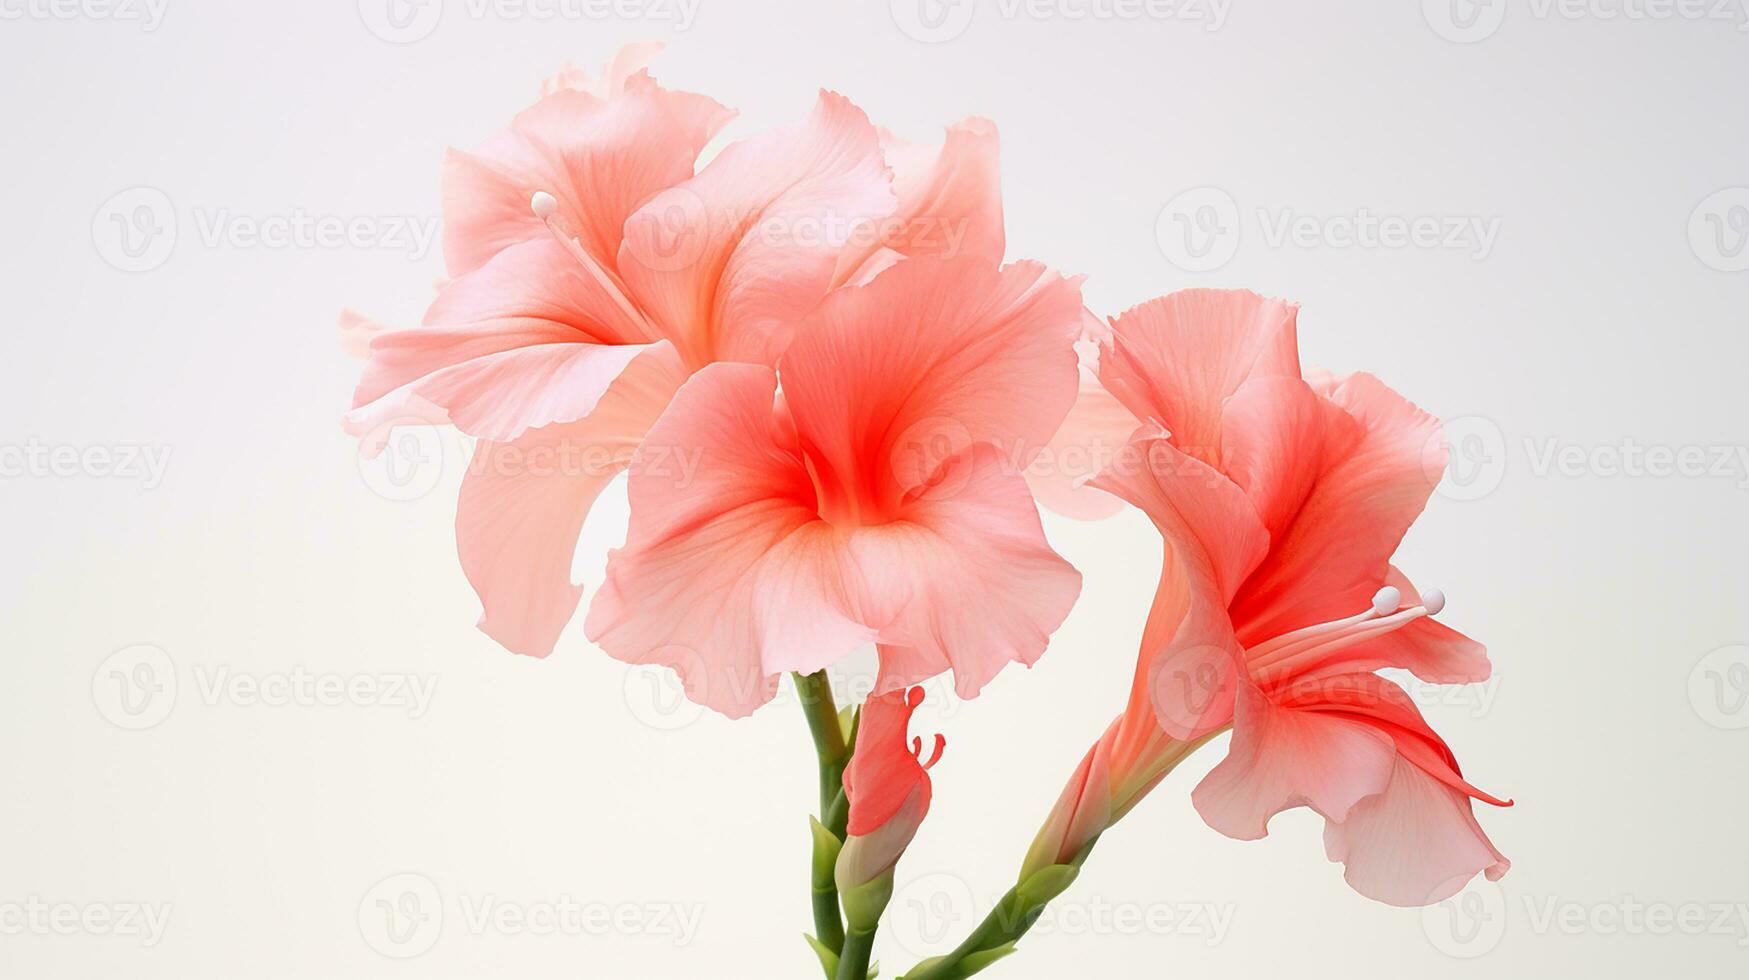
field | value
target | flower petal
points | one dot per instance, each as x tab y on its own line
729	261
1281	758
1176	359
1336	553
728	577
890	380
1094	433
527	340
965	579
523	504
600	159
1189	653
1417	843
950	199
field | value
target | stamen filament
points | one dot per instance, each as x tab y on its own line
545	207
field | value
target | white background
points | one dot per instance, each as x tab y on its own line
1612	596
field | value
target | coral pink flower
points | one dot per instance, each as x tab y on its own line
887	784
595	272
869	505
1282	501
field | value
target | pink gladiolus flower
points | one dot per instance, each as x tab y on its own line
1282	501
887	784
594	272
869	504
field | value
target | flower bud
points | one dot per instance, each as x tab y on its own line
887	784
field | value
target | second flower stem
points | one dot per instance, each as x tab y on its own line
833	753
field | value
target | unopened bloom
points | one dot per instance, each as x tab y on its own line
887	785
1282	500
874	501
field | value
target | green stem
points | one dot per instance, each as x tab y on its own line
853	962
1007	922
815	691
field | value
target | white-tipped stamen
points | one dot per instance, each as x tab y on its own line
1386	600
546	208
1280	654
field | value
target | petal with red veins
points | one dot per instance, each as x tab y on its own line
890	380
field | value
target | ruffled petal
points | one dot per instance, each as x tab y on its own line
950	199
729	261
1337	551
528	340
523	504
727	576
1282	758
1190	655
964	579
1417	843
890	380
599	159
1094	432
1176	359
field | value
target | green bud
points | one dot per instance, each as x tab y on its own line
864	904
